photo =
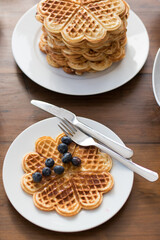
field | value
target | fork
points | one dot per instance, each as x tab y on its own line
83	139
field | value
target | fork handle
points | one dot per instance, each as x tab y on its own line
108	142
143	172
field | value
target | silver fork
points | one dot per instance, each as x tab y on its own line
83	139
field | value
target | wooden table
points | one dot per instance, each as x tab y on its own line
130	111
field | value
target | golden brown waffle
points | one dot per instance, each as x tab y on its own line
90	187
52	62
91	60
67	195
33	162
83	35
78	20
59	195
43	43
85	59
78	187
92	159
83	26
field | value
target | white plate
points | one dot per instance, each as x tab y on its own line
156	77
33	62
23	203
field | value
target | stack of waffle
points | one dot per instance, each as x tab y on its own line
83	35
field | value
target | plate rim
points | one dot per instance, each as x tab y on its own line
31	77
157	57
44	227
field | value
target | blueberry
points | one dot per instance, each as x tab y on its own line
62	148
58	169
67	140
46	171
49	162
37	177
76	161
67	157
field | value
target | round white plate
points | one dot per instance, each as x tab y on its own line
33	62
156	77
23	203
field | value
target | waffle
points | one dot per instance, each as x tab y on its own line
81	20
83	36
88	60
77	188
43	43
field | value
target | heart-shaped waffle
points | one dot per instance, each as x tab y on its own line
46	147
79	20
78	187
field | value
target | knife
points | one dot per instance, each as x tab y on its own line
71	117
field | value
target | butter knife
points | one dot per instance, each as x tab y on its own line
71	117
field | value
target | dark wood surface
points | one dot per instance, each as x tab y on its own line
130	111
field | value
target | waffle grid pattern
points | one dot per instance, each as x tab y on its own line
92	159
47	147
32	162
83	26
78	187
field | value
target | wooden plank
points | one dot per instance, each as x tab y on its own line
130	111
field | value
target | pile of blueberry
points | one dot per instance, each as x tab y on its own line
49	163
67	156
37	176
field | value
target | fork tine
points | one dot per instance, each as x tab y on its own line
64	128
70	125
68	128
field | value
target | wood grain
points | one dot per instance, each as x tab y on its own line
130	111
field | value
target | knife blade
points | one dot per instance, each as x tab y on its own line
62	113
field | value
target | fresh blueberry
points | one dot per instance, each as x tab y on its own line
37	177
46	171
67	157
62	148
58	169
49	162
76	161
67	140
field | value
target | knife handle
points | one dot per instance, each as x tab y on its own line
117	147
143	172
